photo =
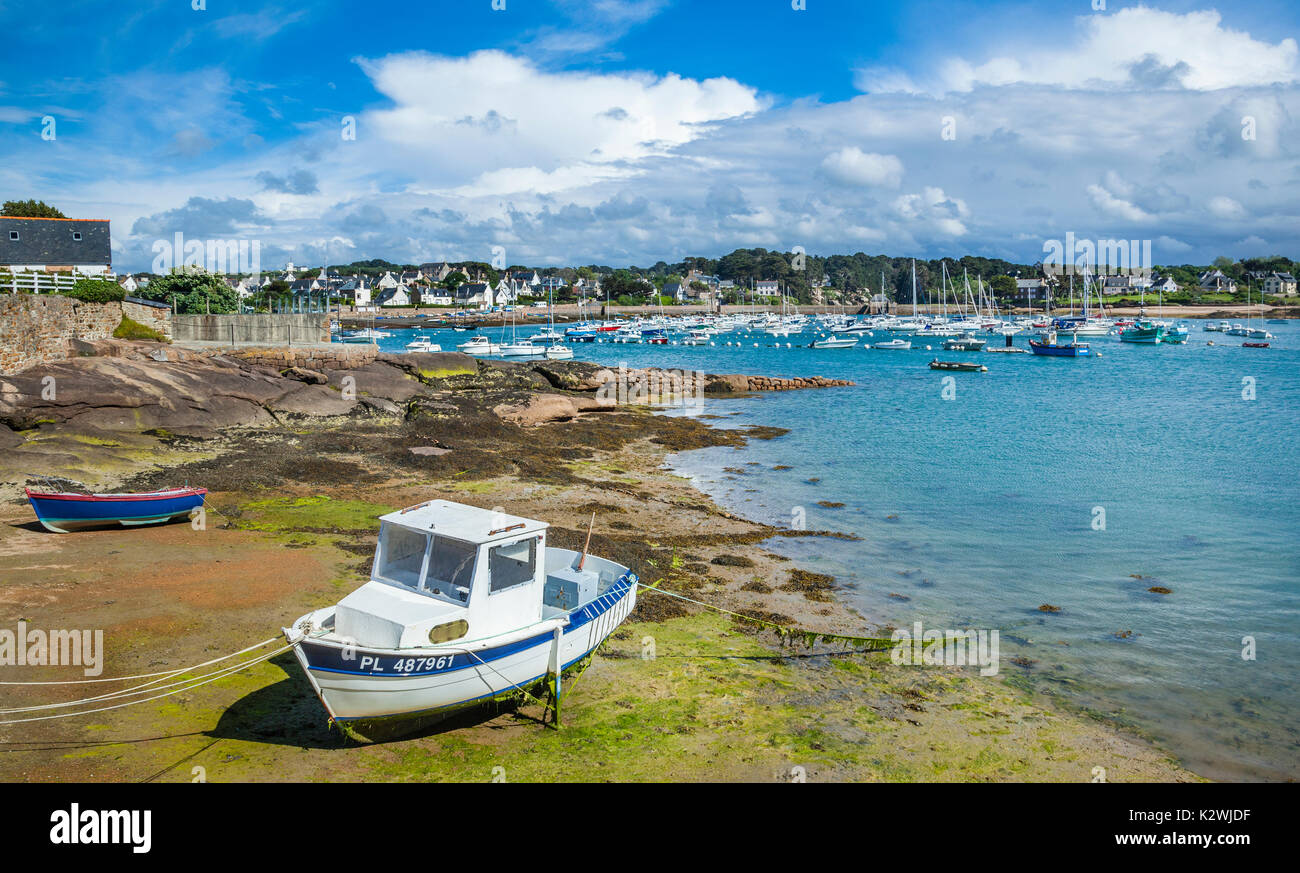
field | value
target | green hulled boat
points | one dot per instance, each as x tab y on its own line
1143	331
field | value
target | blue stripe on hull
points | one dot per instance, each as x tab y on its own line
329	659
462	703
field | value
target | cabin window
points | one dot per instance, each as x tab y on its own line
451	570
13	236
512	564
401	556
76	235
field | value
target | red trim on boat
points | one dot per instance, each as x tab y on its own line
102	498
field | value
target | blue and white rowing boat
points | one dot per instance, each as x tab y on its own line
463	605
64	511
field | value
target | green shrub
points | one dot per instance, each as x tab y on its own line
96	291
130	329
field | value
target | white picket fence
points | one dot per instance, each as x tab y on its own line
34	282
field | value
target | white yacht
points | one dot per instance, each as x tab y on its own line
479	345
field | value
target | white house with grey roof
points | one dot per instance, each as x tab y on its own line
55	245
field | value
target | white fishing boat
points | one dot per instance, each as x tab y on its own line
365	335
559	352
965	343
893	344
836	342
463	605
479	345
423	344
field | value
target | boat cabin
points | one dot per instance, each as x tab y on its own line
445	572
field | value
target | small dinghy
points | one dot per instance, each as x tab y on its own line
1254	345
893	344
463	605
64	511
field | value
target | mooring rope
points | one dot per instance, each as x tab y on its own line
129	692
163	673
214	677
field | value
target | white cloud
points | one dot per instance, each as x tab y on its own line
1111	205
1225	207
1133	47
853	166
490	114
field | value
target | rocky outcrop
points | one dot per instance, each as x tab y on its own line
537	409
764	383
115	385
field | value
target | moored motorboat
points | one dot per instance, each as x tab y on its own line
463	605
1049	346
1144	331
479	345
835	342
964	343
423	344
64	511
892	344
523	349
961	366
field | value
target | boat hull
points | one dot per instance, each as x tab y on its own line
1053	351
63	513
373	686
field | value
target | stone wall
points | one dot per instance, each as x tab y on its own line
334	357
278	329
36	328
157	317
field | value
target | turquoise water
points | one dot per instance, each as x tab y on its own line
979	508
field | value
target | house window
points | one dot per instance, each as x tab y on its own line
13	236
76	235
512	564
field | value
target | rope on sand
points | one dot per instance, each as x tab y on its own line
187	686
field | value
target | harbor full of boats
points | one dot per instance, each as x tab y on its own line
1049	335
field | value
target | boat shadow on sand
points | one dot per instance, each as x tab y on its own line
288	713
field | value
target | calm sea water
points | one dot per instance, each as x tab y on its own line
980	508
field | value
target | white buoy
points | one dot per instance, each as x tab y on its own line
787	345
755	345
927	348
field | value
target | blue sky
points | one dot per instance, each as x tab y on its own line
628	131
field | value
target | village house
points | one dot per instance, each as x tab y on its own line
1280	285
1215	282
475	294
1164	284
397	295
55	245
